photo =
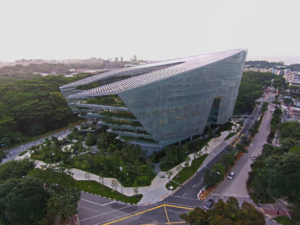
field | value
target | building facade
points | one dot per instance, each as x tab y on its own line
162	103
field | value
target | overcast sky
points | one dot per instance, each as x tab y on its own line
153	30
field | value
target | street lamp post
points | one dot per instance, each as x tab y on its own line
212	171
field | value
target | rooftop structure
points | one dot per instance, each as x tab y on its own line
161	103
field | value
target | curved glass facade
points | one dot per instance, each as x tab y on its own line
176	102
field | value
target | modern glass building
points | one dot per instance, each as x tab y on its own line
162	103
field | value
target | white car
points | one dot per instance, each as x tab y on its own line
231	175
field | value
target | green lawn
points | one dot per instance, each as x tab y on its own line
283	220
230	135
99	189
87	186
186	172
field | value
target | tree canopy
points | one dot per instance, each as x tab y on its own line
251	88
32	106
226	213
23	201
276	173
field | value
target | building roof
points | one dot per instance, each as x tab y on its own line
148	73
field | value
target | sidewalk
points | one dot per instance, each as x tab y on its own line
157	191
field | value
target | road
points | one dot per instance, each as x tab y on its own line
14	152
237	186
98	210
187	195
91	213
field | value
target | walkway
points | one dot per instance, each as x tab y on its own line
157	191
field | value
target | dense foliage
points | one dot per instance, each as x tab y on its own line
15	169
27	197
23	201
263	64
226	213
217	173
33	106
251	88
276	173
127	163
275	122
214	175
23	71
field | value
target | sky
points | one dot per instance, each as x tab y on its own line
151	30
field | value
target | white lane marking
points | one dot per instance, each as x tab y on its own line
105	213
85	200
237	196
176	196
195	185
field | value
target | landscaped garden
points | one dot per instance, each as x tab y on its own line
186	173
99	153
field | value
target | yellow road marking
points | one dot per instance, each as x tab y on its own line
149	210
166	214
136	214
179	207
176	222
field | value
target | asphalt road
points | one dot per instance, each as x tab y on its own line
187	195
14	152
94	210
237	186
97	210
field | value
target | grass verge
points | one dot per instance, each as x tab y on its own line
100	189
283	220
83	185
186	173
230	135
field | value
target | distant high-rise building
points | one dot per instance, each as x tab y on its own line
162	103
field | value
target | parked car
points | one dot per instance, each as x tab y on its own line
231	175
208	204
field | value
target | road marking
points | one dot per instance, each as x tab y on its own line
237	196
105	213
195	185
177	222
179	207
177	204
136	214
149	210
167	215
85	200
176	196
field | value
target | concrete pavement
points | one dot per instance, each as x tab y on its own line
157	191
237	186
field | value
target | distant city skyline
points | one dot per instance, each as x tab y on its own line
151	30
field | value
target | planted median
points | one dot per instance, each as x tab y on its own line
186	173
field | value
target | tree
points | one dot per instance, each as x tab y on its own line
114	184
15	169
196	217
63	200
251	215
214	175
226	213
64	196
23	201
227	161
90	139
